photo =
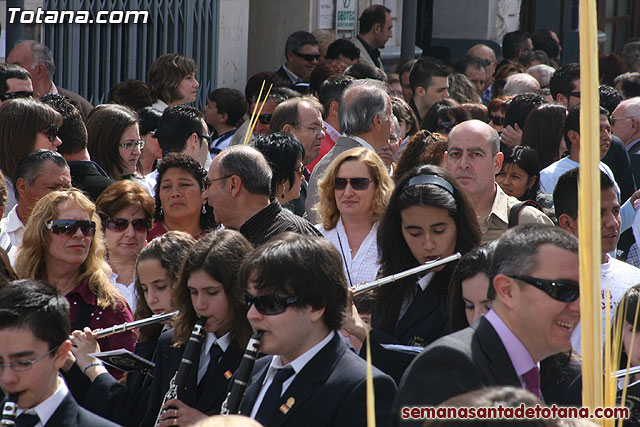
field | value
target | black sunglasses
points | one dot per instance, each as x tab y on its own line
141	225
265	119
574	94
309	57
207	137
445	127
51	131
269	304
69	227
497	120
358	184
559	290
15	95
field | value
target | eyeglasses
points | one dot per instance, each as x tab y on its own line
497	120
207	137
51	131
445	127
315	129
615	119
15	95
269	305
559	290
265	119
130	145
141	225
358	184
25	365
574	94
309	57
69	227
207	182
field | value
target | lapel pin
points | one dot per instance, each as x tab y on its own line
228	374
286	406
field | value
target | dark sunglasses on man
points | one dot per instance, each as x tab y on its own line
269	305
559	290
265	119
309	57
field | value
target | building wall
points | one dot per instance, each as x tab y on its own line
233	39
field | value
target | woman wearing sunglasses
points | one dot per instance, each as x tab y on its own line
114	140
443	116
179	202
26	125
428	218
61	248
126	211
207	288
354	193
125	403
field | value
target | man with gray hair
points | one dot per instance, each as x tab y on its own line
520	83
364	114
473	157
37	175
542	73
238	187
37	59
625	124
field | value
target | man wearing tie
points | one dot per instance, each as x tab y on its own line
535	307
297	295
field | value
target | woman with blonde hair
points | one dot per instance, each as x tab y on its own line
354	193
61	248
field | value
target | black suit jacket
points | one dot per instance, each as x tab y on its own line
167	362
70	414
634	158
89	177
329	391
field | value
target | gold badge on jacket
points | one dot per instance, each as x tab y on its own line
284	408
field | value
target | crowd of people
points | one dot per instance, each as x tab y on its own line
146	206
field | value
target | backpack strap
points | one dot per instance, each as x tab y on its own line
514	212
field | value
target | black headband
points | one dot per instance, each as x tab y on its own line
430	179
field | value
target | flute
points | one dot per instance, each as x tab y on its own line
127	326
232	403
366	287
10	411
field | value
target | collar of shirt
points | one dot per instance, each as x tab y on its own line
499	208
84	292
424	281
160	105
373	52
13	223
520	358
294	78
46	408
54	89
331	131
631	144
211	339
361	141
222	137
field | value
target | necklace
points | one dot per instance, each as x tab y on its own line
344	258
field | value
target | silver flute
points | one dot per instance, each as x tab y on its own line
127	326
366	287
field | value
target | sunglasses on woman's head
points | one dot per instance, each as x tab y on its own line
358	184
141	225
69	227
51	131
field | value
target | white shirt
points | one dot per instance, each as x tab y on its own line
209	341
423	282
13	228
150	181
11	196
47	407
361	141
364	266
160	105
128	292
297	365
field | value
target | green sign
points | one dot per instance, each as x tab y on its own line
346	11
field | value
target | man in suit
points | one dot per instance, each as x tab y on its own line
34	344
535	308
364	114
37	59
625	124
302	55
297	295
375	29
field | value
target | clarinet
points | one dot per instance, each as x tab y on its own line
179	381
10	411
232	403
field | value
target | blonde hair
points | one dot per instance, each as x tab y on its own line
30	261
327	207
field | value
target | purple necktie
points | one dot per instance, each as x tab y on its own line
532	381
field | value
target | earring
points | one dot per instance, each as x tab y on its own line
161	211
204	209
282	196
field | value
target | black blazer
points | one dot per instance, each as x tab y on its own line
329	391
89	177
167	362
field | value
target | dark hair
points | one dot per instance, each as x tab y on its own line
626	312
446	110
135	94
469	61
231	102
424	148
331	90
528	56
517	249
37	306
424	69
321	73
572	122
527	160
565	194
343	47
105	126
513	42
630	86
477	261
121	195
372	15
282	150
149	119
12	71
220	254
405	113
176	125
476	111
544	41
563	78
298	39
193	168
363	70
395	255
73	131
543	131
170	250
610	98
166	73
288	112
610	67
520	107
32	166
252	88
307	267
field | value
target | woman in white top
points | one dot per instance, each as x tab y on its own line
354	193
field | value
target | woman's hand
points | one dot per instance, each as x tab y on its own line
511	136
82	344
180	414
353	323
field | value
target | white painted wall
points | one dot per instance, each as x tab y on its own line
233	43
